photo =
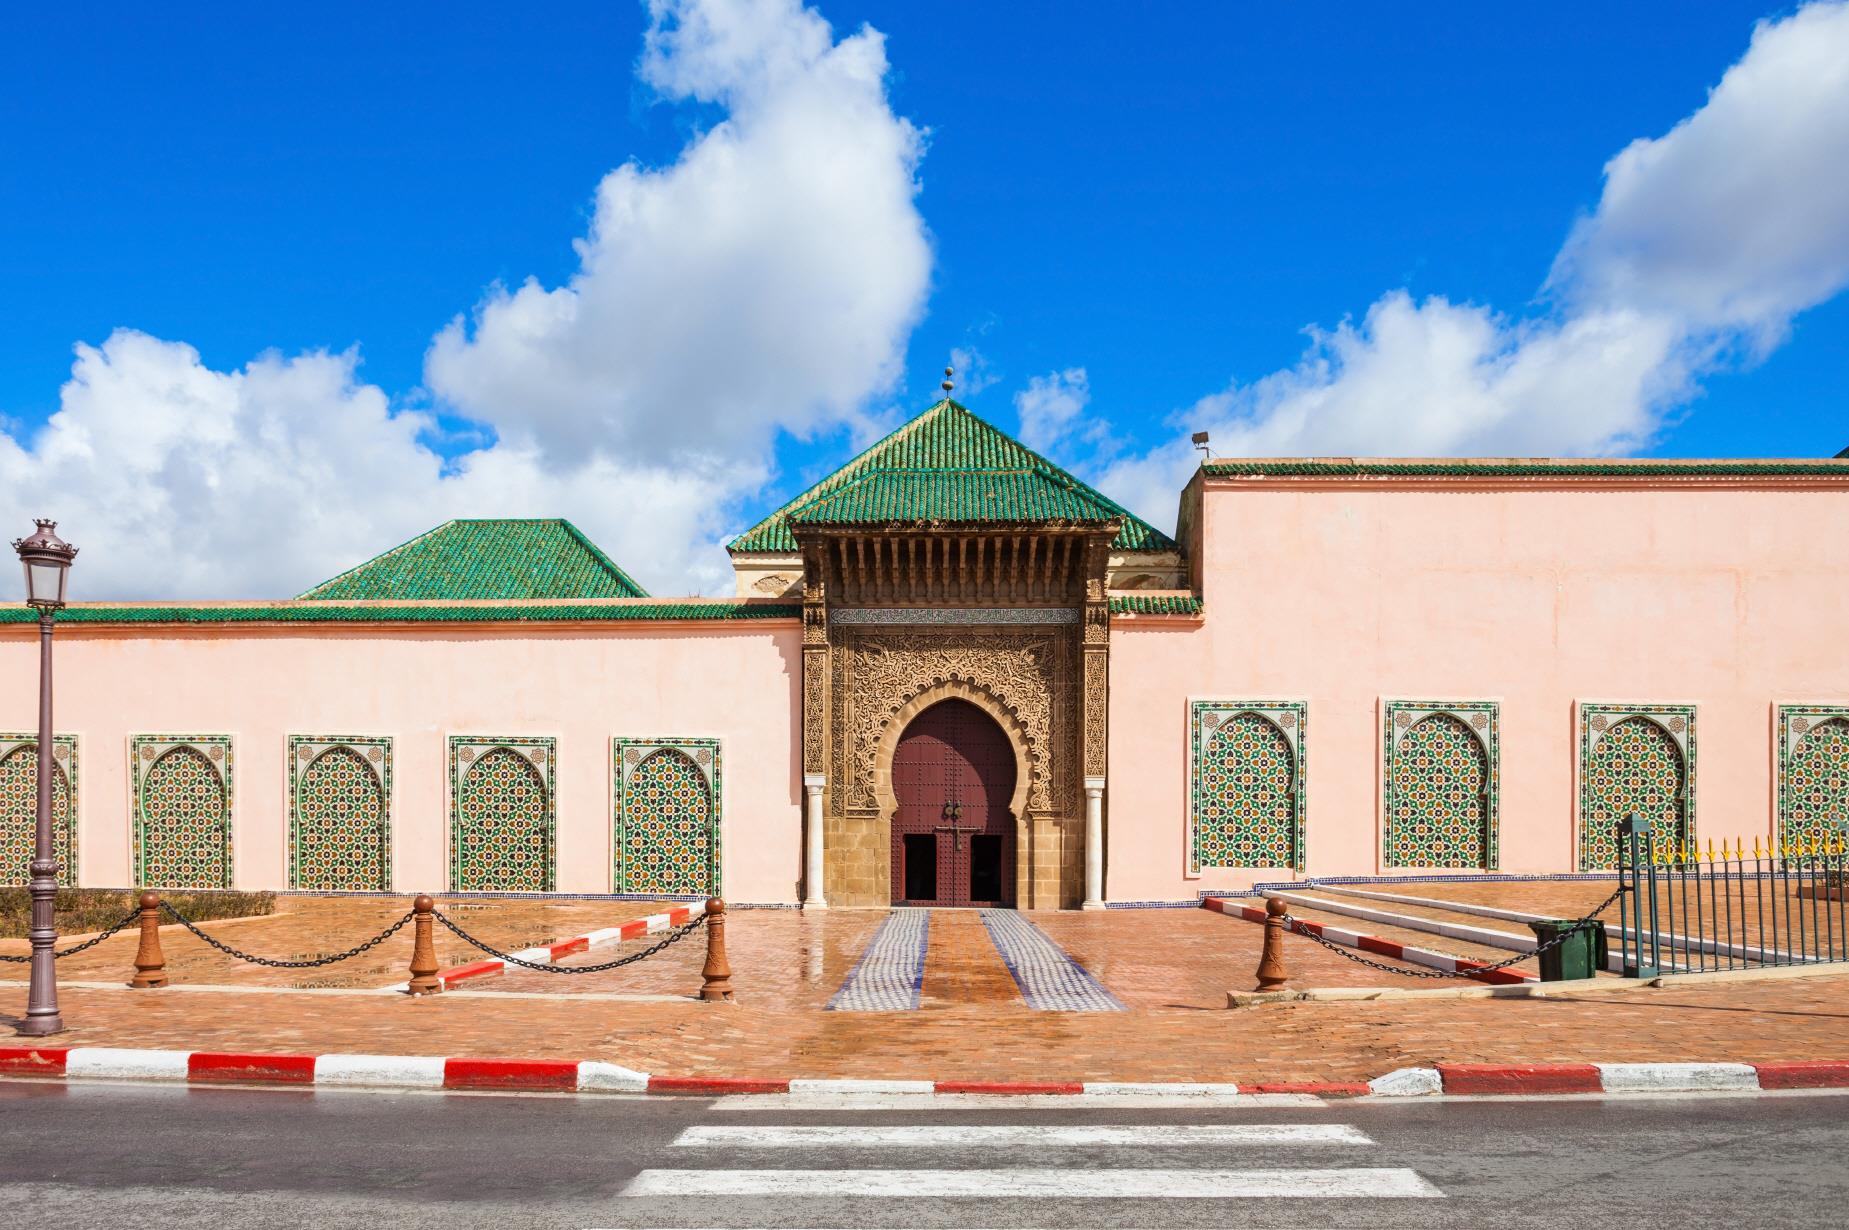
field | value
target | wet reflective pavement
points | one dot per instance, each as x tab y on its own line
1170	968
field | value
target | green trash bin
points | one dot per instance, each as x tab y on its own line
1580	955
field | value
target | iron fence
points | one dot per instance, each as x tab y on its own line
1688	910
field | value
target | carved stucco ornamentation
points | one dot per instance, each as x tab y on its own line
877	671
1096	667
815	667
815	708
1095	670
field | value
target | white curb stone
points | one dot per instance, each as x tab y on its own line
1508	941
1407	1083
859	1086
1154	1090
596	1076
1677	1077
110	1063
399	1071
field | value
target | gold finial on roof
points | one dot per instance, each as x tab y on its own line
948	382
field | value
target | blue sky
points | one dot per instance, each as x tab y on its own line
1161	197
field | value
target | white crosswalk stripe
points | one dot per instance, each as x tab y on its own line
1164	1161
797	1101
1030	1183
785	1136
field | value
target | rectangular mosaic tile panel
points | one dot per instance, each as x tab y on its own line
340	823
182	798
19	805
668	794
1634	760
1441	763
1245	784
1049	979
889	977
1813	772
503	825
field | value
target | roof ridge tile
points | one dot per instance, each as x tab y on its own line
948	464
485	558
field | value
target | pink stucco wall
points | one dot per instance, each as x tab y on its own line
582	684
1539	595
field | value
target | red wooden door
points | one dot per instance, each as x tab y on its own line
953	837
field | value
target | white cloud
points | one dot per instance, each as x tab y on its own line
1052	410
177	481
971	371
766	280
1738	218
1706	242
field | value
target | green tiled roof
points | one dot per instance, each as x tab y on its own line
393	612
948	466
1155	604
485	559
1649	467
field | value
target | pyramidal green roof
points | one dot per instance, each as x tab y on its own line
948	466
486	559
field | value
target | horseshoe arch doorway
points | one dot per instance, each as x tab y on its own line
953	836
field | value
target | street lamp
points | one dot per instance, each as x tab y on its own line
47	560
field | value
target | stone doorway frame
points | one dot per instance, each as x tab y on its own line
887	800
1015	611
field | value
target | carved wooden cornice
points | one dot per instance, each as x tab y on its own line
964	567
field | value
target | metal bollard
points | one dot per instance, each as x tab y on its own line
718	971
1271	972
424	980
150	964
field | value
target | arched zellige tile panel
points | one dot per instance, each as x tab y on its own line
182	800
667	823
1246	797
1634	761
1813	772
1441	785
339	814
19	786
501	814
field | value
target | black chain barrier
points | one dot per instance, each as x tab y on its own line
272	962
1297	927
674	937
134	916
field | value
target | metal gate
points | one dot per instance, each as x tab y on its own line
1685	910
953	773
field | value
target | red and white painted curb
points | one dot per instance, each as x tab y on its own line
596	1076
1464	967
1479	1079
547	1075
552	952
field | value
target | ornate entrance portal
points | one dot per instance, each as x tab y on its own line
953	836
949	562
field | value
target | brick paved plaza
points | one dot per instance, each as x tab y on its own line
1170	969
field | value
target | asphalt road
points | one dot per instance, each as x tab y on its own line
127	1156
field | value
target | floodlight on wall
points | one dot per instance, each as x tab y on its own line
1200	442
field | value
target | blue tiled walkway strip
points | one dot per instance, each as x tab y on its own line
1050	981
891	970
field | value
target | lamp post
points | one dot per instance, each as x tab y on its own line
47	560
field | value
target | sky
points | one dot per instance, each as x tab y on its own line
285	288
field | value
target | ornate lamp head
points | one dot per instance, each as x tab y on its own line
47	561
